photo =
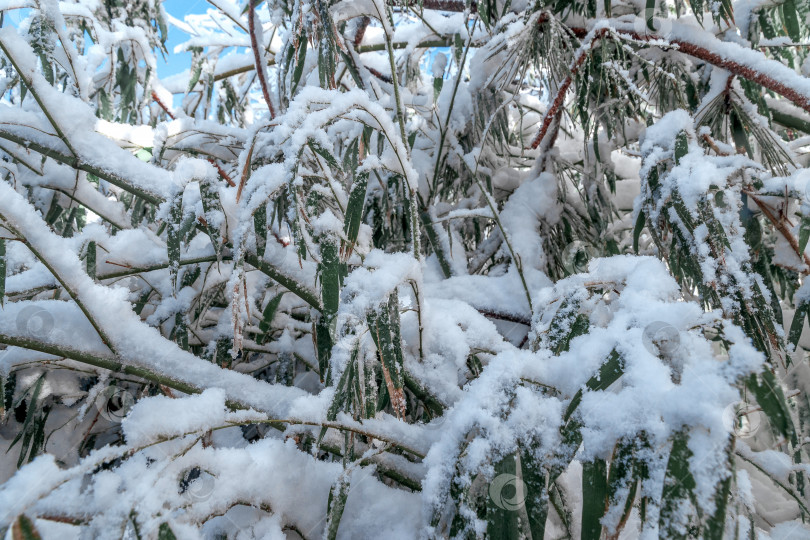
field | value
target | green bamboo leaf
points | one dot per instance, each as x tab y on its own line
679	486
716	524
165	532
637	230
458	47
681	146
173	236
260	228
351	155
181	331
38	434
3	266
726	11
342	390
438	83
323	346
534	482
578	324
797	325
30	412
323	72
162	27
352	67
354	208
570	432
433	237
54	211
622	483
195	76
384	327
210	203
300	61
804	234
609	372
24	529
504	501
594	493
791	17
324	153
330	269
267	318
336	504
483	12
789	120
770	398
90	261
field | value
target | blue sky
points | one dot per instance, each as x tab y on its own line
178	9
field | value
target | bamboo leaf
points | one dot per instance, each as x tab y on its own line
534	482
650	14
504	501
791	18
385	331
299	63
195	76
210	202
90	261
804	234
681	146
716	524
267	318
24	529
336	504
2	271
324	153
679	485
608	373
594	493
797	325
637	230
354	209
770	398
173	238
165	532
438	83
30	412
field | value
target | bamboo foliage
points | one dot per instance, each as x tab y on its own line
452	269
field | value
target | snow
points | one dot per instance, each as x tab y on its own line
242	425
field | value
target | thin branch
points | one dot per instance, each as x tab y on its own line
76	163
556	105
780	225
257	56
222	172
163	106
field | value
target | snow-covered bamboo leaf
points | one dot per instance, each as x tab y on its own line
675	520
336	505
770	397
355	207
438	348
797	325
534	481
3	266
173	237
